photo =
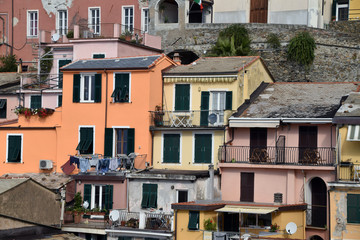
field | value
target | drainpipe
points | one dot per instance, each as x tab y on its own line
12	27
106	98
211	182
304	185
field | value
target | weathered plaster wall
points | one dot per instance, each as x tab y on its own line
8	223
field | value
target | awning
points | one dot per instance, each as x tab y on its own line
247	209
213	79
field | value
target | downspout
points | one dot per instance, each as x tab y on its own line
106	98
12	27
328	218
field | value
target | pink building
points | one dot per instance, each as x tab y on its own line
281	148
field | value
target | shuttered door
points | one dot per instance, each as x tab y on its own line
203	143
247	187
171	148
182	97
204	108
108	201
108	142
131	140
258	11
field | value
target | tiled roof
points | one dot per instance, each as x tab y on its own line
9	82
143	62
7	184
211	66
297	100
351	106
51	181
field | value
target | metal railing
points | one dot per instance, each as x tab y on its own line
129	219
191	118
321	156
348	171
158	221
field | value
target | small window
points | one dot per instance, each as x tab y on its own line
121	91
62	22
35	102
149	197
33	23
86	145
3	108
182	196
94	20
353	133
171	148
145	19
98	55
353	208
14	143
193	220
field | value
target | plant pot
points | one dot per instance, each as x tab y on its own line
123	223
77	218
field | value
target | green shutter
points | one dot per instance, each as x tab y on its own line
145	195
3	107
153	195
87	193
59	100
353	208
97	88
205	96
131	140
193	220
14	149
171	148
61	64
228	101
76	88
121	88
99	55
35	102
108	142
109	197
203	148
86	140
182	97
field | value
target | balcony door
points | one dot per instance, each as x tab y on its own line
307	143
258	144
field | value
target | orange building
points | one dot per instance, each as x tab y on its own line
105	110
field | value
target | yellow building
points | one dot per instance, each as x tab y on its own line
189	126
215	220
345	192
354	10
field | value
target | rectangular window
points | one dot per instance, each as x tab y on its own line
35	102
121	91
149	197
218	101
260	220
59	100
203	148
98	55
247	187
94	20
128	19
62	22
182	196
87	88
182	97
353	208
171	146
33	24
145	19
86	145
99	196
193	220
14	147
3	106
124	141
353	133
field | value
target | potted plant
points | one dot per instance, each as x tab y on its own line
209	225
274	227
128	35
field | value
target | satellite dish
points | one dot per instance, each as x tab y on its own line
291	228
212	118
55	37
86	204
114	215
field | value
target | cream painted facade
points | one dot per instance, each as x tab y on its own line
304	12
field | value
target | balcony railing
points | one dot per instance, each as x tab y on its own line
348	171
321	156
189	119
158	221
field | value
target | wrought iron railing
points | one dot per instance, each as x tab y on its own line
191	118
348	171
321	156
158	221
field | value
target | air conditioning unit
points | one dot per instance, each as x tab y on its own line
215	119
46	164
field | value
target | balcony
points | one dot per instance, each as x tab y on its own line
321	156
190	119
348	172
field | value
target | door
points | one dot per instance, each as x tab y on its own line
258	11
258	143
307	143
247	187
318	203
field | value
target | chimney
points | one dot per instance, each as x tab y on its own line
278	198
211	182
176	58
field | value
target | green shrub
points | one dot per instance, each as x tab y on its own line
273	40
302	49
8	63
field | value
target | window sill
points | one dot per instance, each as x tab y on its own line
32	37
13	162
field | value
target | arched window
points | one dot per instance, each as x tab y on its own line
168	11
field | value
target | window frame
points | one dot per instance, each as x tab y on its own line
91	26
3	110
162	147
79	137
174	97
114	83
194	146
30	29
338	6
178	194
102	191
31	101
145	20
127	26
21	147
82	87
61	23
356	131
197	215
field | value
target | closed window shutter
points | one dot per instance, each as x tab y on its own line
145	196
205	96
14	148
109	197
3	106
171	148
131	140
124	86
153	196
203	147
228	101
97	88
108	142
193	220
353	208
59	100
182	97
35	102
76	88
87	193
61	64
